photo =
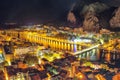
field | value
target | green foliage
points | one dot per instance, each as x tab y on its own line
106	37
53	70
30	59
75	78
83	60
5	63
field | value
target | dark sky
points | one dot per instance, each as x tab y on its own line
32	11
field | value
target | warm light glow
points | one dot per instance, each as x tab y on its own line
80	75
39	61
107	56
6	75
9	62
33	65
49	76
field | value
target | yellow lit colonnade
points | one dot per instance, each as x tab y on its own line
89	51
54	43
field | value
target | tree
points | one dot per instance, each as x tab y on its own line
30	59
5	63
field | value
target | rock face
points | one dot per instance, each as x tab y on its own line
115	21
95	14
71	17
91	22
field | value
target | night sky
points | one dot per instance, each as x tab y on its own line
40	11
32	11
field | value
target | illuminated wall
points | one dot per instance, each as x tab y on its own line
54	43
